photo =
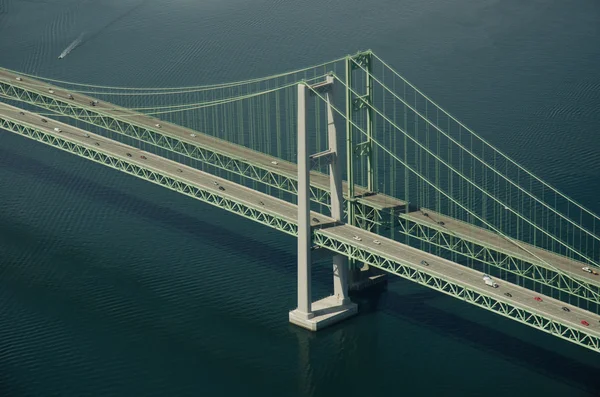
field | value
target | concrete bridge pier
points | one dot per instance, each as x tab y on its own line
337	307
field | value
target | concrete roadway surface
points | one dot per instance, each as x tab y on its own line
265	161
461	275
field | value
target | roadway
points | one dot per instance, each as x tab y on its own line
451	271
380	201
484	237
217	145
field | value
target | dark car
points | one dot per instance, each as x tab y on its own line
44	121
566	309
128	154
221	188
143	157
508	294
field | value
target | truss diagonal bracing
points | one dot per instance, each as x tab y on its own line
365	215
322	237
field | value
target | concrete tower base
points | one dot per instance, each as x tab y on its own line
325	312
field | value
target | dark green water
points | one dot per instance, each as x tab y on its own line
110	286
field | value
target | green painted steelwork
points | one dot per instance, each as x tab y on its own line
148	174
322	236
350	195
364	60
364	215
456	290
156	137
515	264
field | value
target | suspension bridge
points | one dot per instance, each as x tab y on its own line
352	158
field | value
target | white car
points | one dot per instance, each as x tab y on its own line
50	90
274	162
357	238
158	126
57	129
193	135
19	79
377	242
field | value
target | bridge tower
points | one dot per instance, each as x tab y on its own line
335	308
358	79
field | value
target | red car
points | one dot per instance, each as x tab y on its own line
143	157
585	323
537	298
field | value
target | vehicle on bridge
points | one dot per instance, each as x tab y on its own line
589	270
488	281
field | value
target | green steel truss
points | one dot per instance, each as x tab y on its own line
321	237
148	174
364	215
514	264
156	137
467	294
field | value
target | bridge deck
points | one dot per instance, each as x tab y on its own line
218	145
461	275
379	201
476	234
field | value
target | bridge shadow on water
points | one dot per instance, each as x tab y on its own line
410	307
413	307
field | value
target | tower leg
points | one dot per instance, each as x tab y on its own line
332	309
340	264
304	309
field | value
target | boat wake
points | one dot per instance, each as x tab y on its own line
71	47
